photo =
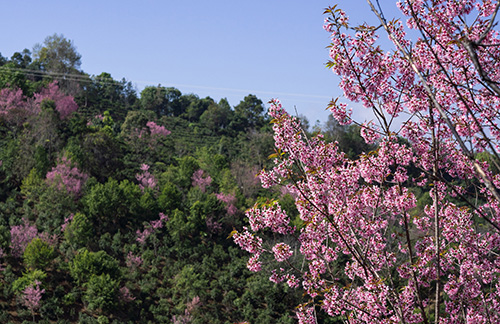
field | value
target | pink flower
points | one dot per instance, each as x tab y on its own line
65	105
146	179
133	261
125	296
229	200
199	181
32	295
150	228
65	176
21	236
156	129
282	252
67	220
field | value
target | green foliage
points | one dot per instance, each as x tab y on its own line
135	120
103	155
287	203
4	237
57	54
85	264
249	113
32	185
348	138
48	204
189	256
42	162
27	279
101	292
178	225
170	197
187	166
38	254
114	204
8	155
79	231
189	283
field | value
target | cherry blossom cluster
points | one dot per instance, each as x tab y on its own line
150	228
67	221
21	236
372	254
229	200
200	181
96	120
360	215
146	179
65	105
32	295
65	176
157	130
152	129
124	295
213	226
187	317
133	261
15	107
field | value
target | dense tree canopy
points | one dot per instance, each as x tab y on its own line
116	207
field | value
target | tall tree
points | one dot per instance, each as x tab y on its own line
58	57
102	92
155	99
249	112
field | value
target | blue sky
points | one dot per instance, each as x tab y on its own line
273	49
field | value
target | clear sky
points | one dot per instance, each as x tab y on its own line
216	48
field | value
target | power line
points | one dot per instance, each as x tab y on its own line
65	76
93	79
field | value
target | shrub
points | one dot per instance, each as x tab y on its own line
87	264
101	293
38	254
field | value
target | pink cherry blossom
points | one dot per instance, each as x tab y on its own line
146	179
66	176
200	181
32	295
65	105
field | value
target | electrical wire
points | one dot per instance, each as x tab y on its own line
95	79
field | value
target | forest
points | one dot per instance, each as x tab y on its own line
116	207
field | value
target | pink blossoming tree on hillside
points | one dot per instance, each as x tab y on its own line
32	295
146	179
66	176
366	253
157	130
13	106
65	105
21	236
200	181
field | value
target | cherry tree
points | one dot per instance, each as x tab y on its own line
66	176
157	130
146	179
32	295
367	250
65	105
200	181
14	106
